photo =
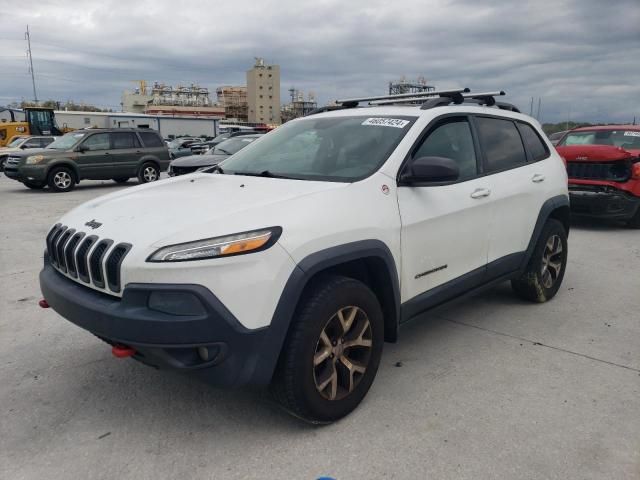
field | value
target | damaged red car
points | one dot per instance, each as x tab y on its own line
603	164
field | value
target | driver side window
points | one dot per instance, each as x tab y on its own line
453	140
99	141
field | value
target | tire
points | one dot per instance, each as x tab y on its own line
121	179
34	185
544	273
148	172
329	390
61	179
634	222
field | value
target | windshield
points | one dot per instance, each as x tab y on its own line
343	149
231	146
16	141
66	141
616	138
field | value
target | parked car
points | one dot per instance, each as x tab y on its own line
215	155
554	138
25	142
181	147
296	260
603	164
95	154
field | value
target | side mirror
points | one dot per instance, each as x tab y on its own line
430	171
81	149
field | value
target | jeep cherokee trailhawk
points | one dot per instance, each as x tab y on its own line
293	261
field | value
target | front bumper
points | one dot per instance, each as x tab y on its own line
603	202
22	173
236	355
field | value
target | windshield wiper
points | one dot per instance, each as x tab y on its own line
212	169
222	150
264	173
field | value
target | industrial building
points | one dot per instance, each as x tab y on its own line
162	99
263	93
299	106
405	86
168	127
234	102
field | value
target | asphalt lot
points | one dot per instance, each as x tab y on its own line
489	388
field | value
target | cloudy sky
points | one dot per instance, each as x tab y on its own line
582	57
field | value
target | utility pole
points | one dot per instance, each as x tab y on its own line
33	78
531	109
539	104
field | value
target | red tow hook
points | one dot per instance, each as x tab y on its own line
122	351
43	303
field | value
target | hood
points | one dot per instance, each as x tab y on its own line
17	152
595	153
5	150
198	160
192	207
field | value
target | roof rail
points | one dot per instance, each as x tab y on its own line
399	98
487	98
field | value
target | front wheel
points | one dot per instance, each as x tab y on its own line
544	273
332	352
61	179
148	172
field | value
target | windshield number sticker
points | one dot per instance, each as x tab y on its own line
386	122
632	134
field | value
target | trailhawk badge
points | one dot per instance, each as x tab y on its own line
93	224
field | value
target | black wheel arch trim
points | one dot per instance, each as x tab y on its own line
559	203
302	274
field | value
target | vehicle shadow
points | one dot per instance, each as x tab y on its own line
596	224
105	185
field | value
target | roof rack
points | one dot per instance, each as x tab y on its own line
426	100
399	98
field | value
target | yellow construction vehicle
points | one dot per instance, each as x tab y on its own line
38	121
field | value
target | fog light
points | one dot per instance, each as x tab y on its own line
203	353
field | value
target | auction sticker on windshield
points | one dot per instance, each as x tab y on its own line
386	122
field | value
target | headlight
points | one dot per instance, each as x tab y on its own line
34	159
238	244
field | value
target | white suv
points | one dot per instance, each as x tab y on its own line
292	262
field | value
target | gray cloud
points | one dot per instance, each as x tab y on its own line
580	56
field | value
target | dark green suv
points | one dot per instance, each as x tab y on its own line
95	154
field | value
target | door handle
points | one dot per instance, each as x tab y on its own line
537	178
480	193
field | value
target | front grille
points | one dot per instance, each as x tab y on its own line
88	259
613	171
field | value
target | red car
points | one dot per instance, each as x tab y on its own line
603	164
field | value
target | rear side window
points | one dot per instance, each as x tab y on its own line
452	140
534	144
501	142
151	139
124	140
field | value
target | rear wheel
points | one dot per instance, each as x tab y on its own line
121	179
35	185
61	179
332	352
545	270
148	172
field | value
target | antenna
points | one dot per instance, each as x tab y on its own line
27	36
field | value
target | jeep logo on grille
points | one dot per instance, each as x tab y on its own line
93	224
